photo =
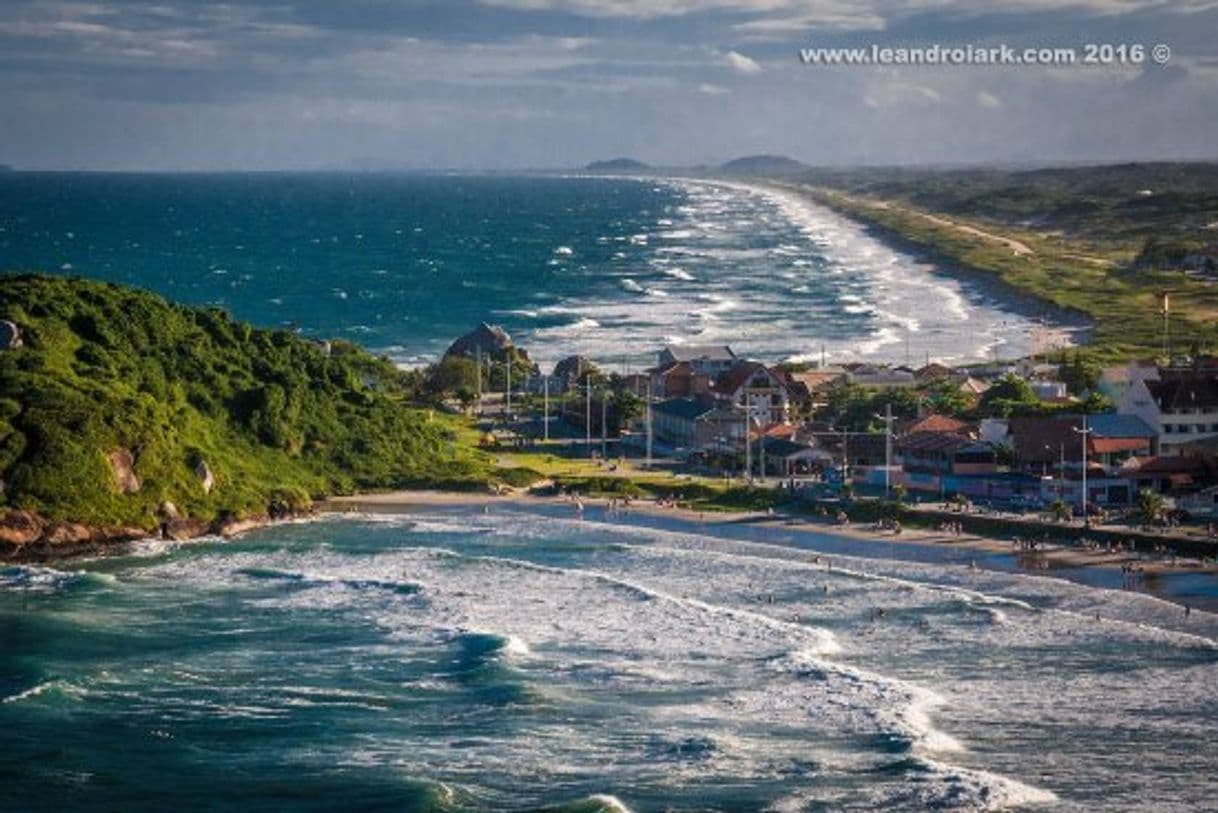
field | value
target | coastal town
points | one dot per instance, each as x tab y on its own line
1133	444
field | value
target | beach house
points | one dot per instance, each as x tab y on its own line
751	386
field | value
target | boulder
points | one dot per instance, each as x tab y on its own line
167	510
18	528
206	478
230	527
122	462
67	533
10	335
183	528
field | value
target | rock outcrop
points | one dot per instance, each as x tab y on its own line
25	535
207	479
19	528
10	335
122	462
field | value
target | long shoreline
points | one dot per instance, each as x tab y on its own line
1097	568
1067	327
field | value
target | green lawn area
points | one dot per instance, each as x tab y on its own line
1095	279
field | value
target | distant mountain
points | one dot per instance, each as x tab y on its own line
617	165
764	165
6	168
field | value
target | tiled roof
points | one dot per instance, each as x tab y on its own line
735	378
936	423
1184	391
934	442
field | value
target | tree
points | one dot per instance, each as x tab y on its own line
455	376
1079	374
1096	403
1010	395
1150	506
855	409
626	407
946	398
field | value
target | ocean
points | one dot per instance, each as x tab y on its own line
612	268
521	660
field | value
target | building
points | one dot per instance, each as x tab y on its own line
1114	382
1044	444
879	377
679	379
1180	405
809	389
697	423
1174	474
787	458
753	386
708	360
943	453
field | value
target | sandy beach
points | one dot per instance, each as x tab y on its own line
1046	557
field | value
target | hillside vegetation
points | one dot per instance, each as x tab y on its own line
1103	241
118	401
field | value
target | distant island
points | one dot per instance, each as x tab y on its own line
772	165
618	166
6	168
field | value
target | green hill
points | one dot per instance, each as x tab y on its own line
117	401
617	165
766	165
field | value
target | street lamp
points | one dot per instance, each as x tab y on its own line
1084	432
887	418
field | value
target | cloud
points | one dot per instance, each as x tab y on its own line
502	83
741	63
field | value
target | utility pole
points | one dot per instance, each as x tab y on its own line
1167	326
588	414
649	423
478	375
748	442
845	457
1085	432
887	449
1061	473
604	428
761	448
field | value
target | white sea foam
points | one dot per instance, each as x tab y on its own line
754	685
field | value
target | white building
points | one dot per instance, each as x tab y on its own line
1181	406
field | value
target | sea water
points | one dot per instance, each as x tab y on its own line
511	660
613	268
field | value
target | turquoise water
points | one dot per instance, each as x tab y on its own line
457	660
613	268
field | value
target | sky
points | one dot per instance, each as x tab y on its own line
503	84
